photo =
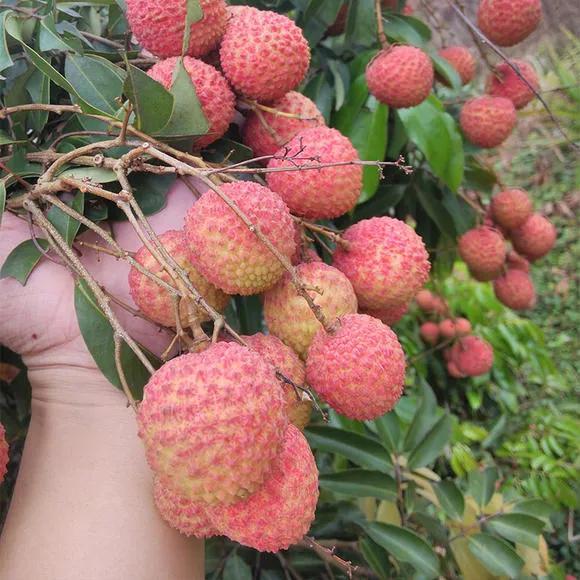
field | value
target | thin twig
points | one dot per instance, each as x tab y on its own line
380	25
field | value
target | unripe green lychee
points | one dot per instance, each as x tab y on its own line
385	260
508	22
289	317
156	302
534	238
400	76
3	453
462	60
263	54
224	249
511	208
212	423
504	82
282	510
488	121
359	369
317	193
473	356
483	250
430	333
159	26
515	290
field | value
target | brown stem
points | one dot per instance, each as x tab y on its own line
329	556
380	25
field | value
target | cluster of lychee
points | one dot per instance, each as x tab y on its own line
510	216
465	355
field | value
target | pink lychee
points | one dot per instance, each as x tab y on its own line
511	208
534	238
488	121
506	83
447	328
462	327
483	250
515	290
508	22
389	316
430	333
473	356
462	60
517	262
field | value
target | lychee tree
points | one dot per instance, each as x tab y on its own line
333	155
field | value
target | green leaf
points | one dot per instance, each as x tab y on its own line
194	13
482	485
450	498
389	431
446	70
98	336
5	58
359	449
49	38
377	558
519	528
360	483
536	508
2	199
22	260
405	546
94	174
432	445
423	420
236	569
66	225
406	30
38	87
347	115
496	555
150	192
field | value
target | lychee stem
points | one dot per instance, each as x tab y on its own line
380	25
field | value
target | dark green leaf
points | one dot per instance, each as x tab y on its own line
361	26
360	483
22	260
150	192
389	431
38	87
359	449
534	507
519	528
65	225
423	420
432	445
407	31
49	38
482	485
249	310
451	499
316	19
496	555
236	569
348	114
5	58
434	208
446	70
377	558
321	92
194	13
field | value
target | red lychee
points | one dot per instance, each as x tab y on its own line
424	300
453	371
159	26
473	356
265	133
511	208
483	250
359	369
224	249
488	121
386	262
3	453
506	83
264	54
517	262
212	423
508	22
288	315
389	316
462	61
515	290
462	327
282	510
215	96
429	332
317	193
400	76
447	328
534	238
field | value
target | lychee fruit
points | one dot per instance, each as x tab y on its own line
429	302
156	302
506	83
430	333
447	328
488	121
264	54
473	356
386	262
272	349
462	327
281	512
159	26
224	249
453	371
265	133
359	369
400	76
534	238
182	514
288	315
213	422
517	262
508	22
511	208
323	193
213	91
389	316
515	290
462	60
483	250
3	453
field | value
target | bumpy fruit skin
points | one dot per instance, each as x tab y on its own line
263	54
3	453
386	262
156	302
508	22
488	121
212	423
447	328
483	250
282	510
287	362
226	252
159	26
515	290
317	193
289	317
184	515
265	133
472	356
534	238
510	86
517	262
359	370
401	76
389	316
462	61
463	327
215	96
429	332
511	208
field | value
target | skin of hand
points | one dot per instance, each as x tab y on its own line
83	504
